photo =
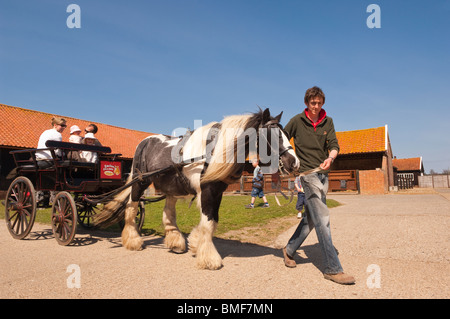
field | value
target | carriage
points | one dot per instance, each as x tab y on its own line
75	190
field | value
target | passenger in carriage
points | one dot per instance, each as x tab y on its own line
75	136
88	156
44	157
92	128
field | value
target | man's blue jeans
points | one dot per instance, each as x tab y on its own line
316	215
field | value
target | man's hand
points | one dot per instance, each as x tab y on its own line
326	164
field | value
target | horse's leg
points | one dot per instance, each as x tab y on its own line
201	244
201	238
174	239
131	239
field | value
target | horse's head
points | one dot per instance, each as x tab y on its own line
239	137
278	152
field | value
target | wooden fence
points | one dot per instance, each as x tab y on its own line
244	185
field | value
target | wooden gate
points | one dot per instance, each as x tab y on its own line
342	181
405	180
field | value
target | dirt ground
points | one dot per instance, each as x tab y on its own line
396	246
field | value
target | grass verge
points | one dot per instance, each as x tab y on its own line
232	215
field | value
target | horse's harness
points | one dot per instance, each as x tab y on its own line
275	124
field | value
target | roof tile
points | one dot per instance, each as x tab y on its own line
362	141
407	164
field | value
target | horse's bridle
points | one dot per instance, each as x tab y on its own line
281	149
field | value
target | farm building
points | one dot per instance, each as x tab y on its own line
364	164
409	168
365	159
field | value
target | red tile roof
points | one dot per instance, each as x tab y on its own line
408	164
22	128
363	141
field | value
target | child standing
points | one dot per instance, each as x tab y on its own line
257	186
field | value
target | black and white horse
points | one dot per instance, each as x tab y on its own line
202	163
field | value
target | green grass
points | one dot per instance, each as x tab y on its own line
232	214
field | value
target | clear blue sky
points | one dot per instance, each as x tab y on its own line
158	65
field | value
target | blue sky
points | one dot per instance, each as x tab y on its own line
158	65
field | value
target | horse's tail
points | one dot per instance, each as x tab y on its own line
114	211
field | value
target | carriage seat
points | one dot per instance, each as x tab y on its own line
68	147
77	147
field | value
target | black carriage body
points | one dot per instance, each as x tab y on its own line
67	174
75	184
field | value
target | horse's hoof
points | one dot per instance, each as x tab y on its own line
178	250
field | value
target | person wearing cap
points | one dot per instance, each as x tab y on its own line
88	156
75	137
43	155
75	132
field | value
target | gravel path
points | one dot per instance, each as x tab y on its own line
396	246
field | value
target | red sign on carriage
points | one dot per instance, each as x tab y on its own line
110	170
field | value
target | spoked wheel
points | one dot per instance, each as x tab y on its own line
64	218
86	214
20	207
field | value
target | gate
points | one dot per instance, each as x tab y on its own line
405	180
342	181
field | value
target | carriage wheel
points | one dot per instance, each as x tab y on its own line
20	207
86	214
64	218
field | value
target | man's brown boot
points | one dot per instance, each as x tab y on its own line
288	260
340	278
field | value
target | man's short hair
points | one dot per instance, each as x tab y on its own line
94	128
314	92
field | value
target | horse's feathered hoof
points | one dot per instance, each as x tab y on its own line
175	241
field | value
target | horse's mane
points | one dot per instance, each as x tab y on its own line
221	167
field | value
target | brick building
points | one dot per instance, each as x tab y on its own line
409	167
368	154
364	164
